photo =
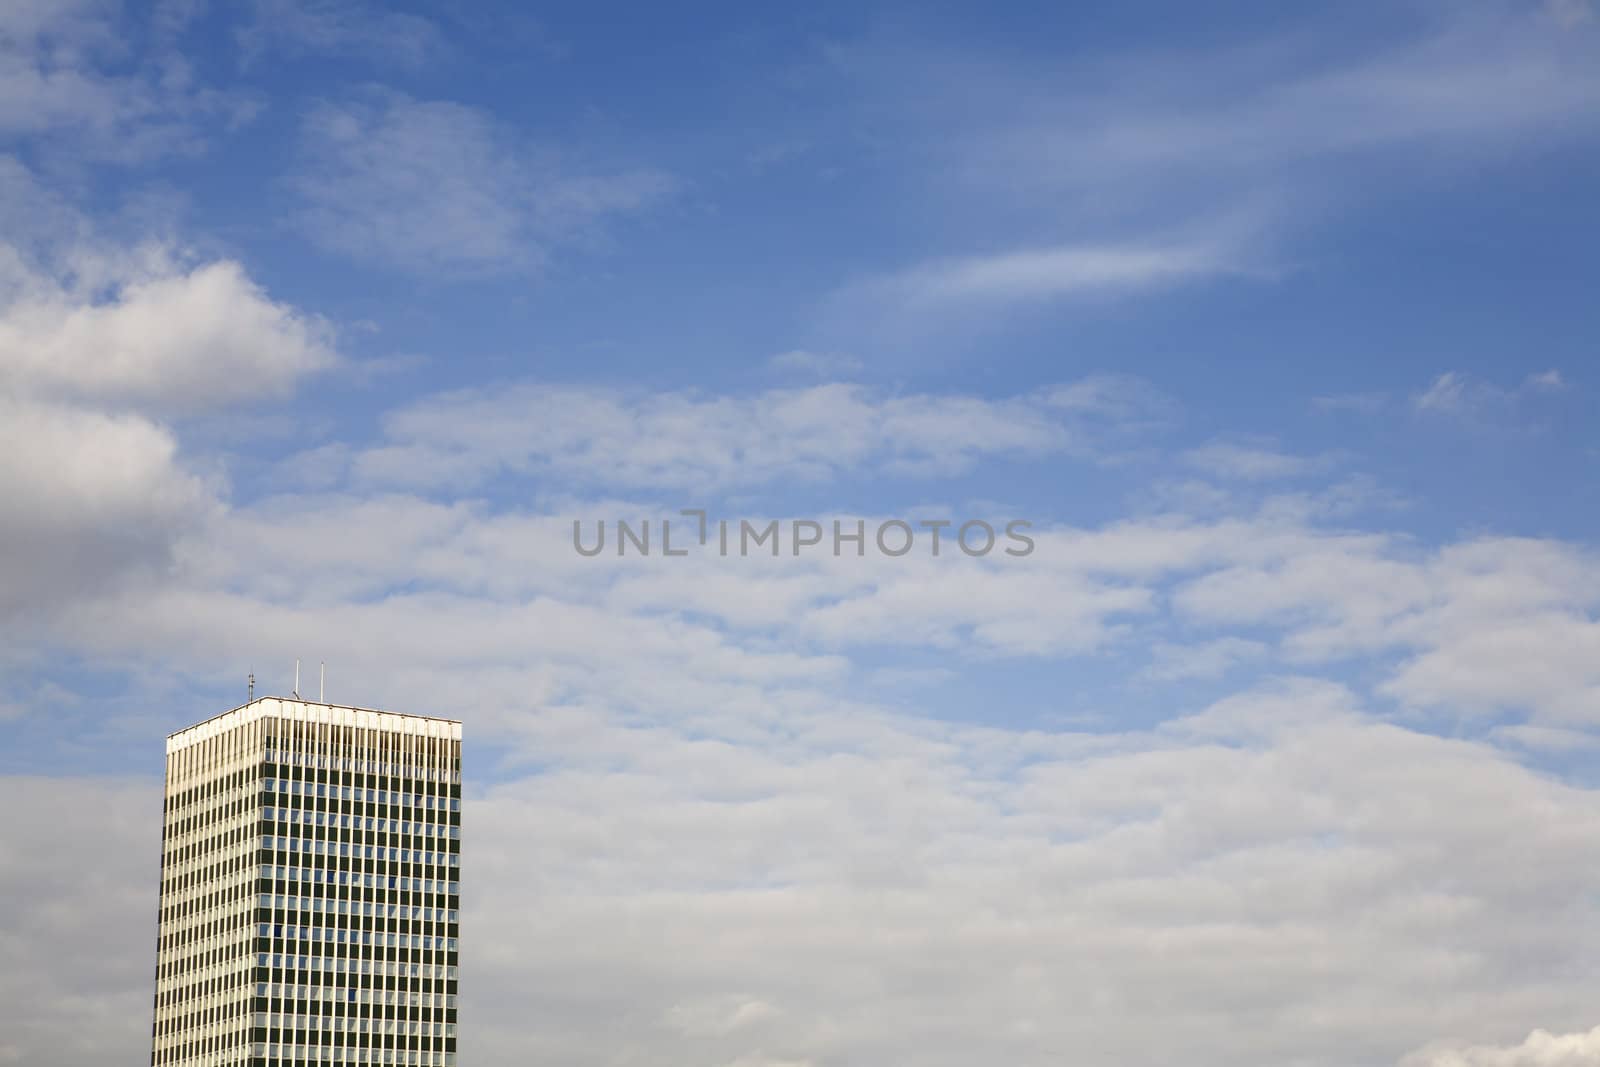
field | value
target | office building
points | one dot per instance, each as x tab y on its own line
310	889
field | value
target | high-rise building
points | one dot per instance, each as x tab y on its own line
310	889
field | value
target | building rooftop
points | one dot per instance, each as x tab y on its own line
299	710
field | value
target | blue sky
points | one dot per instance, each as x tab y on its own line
321	323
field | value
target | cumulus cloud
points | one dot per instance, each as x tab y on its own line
101	347
88	496
159	334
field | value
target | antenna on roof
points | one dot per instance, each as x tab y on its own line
252	685
322	683
296	689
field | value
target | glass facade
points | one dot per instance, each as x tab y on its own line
310	889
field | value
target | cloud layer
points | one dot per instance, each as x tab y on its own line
1244	764
1280	877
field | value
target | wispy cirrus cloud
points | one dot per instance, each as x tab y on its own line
1132	126
1237	150
1456	394
1045	273
439	186
302	26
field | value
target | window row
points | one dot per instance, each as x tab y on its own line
294	787
334	935
311	846
377	909
358	762
354	995
312	965
363	879
264	1020
287	1056
370	824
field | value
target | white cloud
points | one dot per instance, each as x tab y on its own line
425	185
98	345
785	873
1458	394
1545	660
1548	380
1546	738
78	940
1490	624
1224	459
1478	627
88	498
145	327
161	334
694	441
836	885
1005	606
928	299
1541	1049
1130	149
726	855
80	76
1447	393
1045	273
1468	78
